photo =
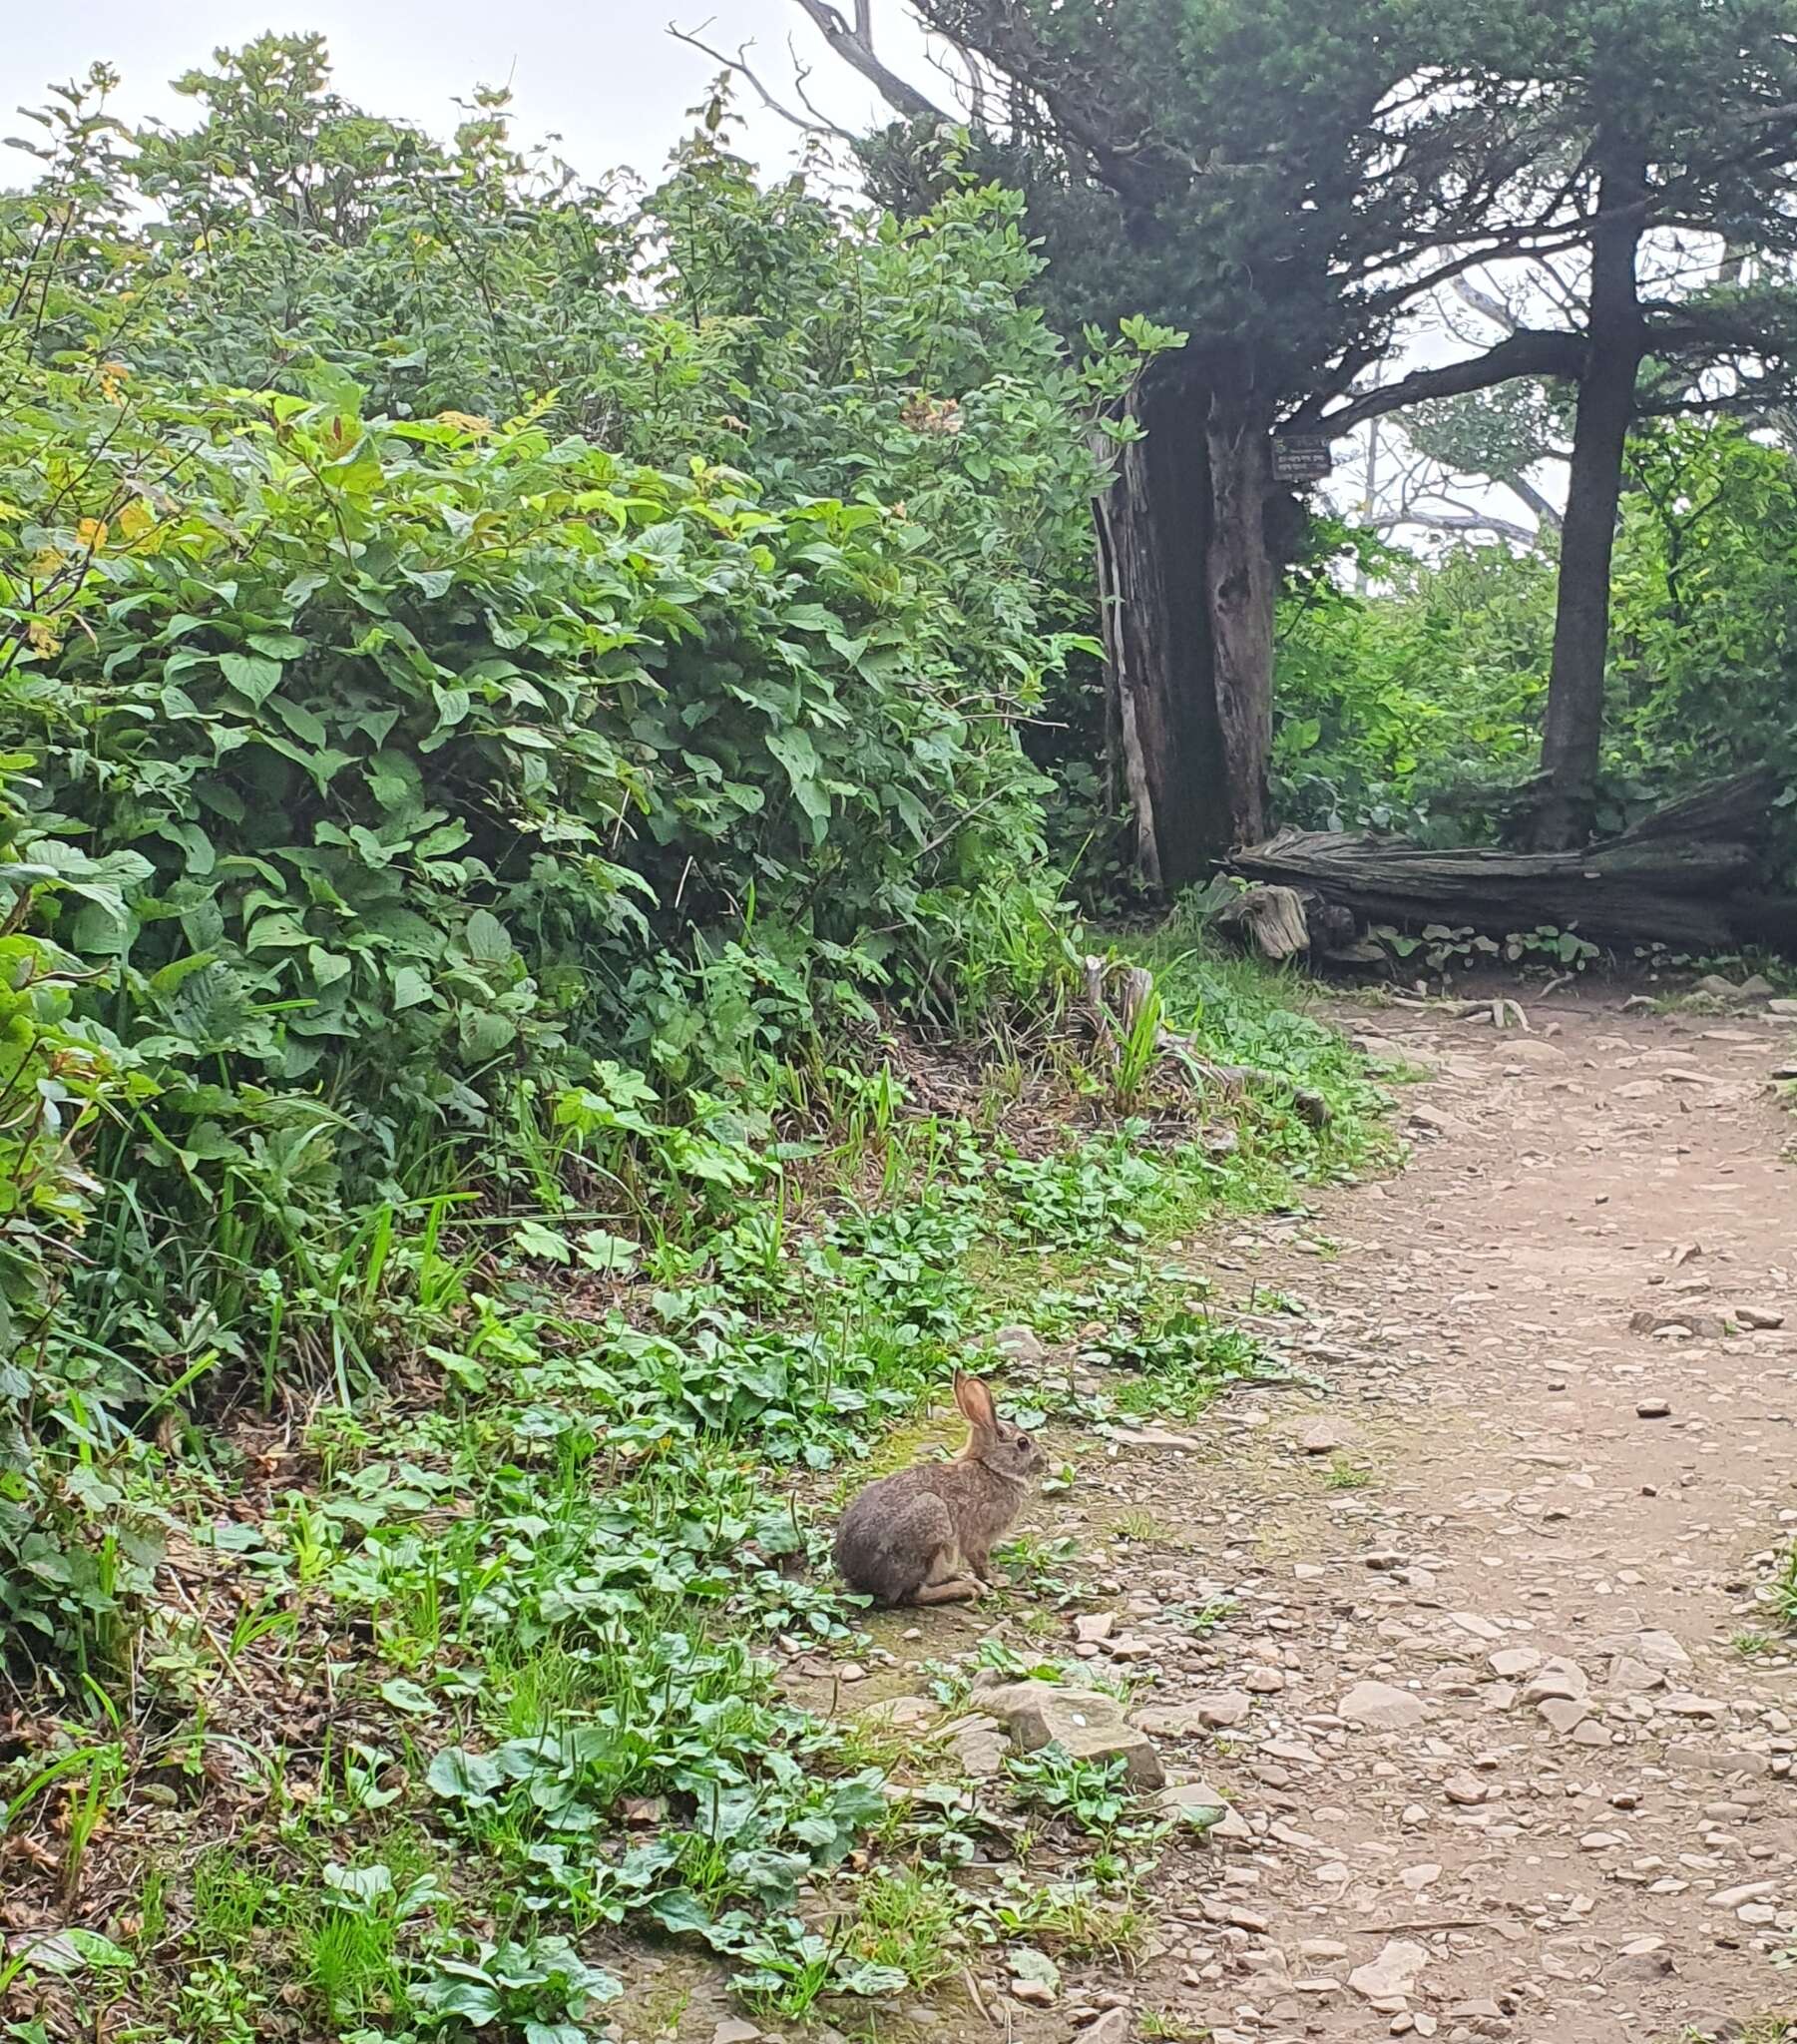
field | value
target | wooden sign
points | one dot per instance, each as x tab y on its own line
1301	457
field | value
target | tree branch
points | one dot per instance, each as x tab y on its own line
1487	304
739	64
855	47
1140	166
1544	508
1527	354
1459	521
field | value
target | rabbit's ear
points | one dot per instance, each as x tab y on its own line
975	1401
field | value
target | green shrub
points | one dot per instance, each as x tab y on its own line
488	673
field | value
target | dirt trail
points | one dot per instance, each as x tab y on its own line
1566	1815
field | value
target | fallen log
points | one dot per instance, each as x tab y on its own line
1684	876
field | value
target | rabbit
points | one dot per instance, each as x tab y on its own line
924	1535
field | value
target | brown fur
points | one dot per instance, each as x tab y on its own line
924	1535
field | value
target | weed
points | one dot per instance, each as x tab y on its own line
905	1920
1088	1793
1169	2026
1201	1620
1784	1588
1343	1474
1073	1917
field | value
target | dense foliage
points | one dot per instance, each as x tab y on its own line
455	629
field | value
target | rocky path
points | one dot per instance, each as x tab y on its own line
1507	1756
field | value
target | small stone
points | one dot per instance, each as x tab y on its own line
1111	2027
1095	1626
1659	1650
1377	1705
1631	1676
1393	1975
1264	1682
1564	1714
1510	1662
978	1746
1463	1789
1322	1437
1555	1677
733	2030
1653	1408
1474	1623
1416	1878
1035	1993
1682	1320
903	1713
1021	1344
1683	1704
1758	1317
1213	1713
1748	1891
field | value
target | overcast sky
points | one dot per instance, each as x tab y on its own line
604	75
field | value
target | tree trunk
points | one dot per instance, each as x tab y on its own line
1153	528
1573	730
1242	585
1187	580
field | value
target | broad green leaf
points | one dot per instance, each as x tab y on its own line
411	987
251	674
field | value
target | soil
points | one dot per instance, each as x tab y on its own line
1548	1529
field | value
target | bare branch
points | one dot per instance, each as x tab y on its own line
815	125
1458	521
1545	509
855	47
1487	304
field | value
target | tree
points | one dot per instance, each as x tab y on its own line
1288	182
1715	154
1678	203
1285	182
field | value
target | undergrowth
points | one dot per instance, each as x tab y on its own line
435	1692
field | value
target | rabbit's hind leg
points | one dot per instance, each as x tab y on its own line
924	1528
956	1590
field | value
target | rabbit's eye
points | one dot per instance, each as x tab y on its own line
1023	1444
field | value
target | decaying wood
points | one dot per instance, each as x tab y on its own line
1109	1026
1684	874
1270	920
